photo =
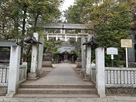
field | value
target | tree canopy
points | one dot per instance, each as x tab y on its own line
16	13
112	20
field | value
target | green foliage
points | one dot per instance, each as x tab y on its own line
116	62
111	20
4	49
72	15
15	14
74	52
79	12
52	46
28	62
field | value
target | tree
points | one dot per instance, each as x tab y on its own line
78	13
7	20
46	10
52	45
16	13
112	20
73	15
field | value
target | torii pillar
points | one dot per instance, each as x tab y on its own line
40	57
83	53
88	58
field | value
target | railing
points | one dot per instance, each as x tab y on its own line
4	71
4	75
22	72
120	77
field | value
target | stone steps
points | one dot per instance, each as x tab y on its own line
57	86
56	96
57	91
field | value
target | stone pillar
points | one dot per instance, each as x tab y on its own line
100	72
79	63
61	31
88	58
25	64
40	57
14	64
56	37
65	37
47	37
83	53
33	73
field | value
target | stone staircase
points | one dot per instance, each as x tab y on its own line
57	91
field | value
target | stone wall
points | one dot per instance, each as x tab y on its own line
121	91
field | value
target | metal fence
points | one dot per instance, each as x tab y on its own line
4	75
120	77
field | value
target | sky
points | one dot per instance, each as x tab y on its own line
66	4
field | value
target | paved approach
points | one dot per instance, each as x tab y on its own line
64	74
104	99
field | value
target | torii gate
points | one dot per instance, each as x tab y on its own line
85	54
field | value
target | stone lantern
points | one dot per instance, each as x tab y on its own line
92	43
34	41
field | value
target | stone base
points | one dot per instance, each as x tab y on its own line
88	69
40	73
47	64
32	76
10	94
79	65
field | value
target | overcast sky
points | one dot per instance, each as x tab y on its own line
66	4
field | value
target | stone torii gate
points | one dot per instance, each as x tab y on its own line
85	53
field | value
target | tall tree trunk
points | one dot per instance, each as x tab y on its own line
36	20
23	30
35	25
3	27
